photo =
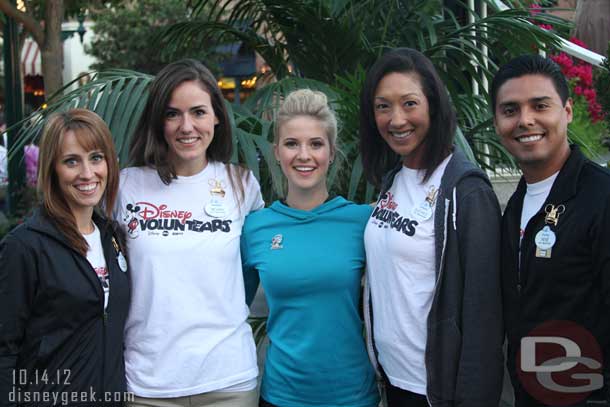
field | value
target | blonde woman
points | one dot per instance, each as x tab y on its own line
308	252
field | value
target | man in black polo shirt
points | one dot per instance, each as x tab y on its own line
555	244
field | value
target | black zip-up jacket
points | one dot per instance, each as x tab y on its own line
57	345
574	283
464	360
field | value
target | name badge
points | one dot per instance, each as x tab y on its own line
215	208
122	262
545	240
422	212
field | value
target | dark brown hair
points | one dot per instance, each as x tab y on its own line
92	133
148	146
377	157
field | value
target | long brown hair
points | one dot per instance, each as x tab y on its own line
92	133
148	146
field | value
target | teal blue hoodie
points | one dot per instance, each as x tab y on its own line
310	264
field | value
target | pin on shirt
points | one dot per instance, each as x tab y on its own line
216	207
545	238
423	211
276	242
119	257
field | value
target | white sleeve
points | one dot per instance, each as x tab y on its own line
253	200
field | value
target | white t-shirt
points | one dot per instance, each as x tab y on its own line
186	332
535	195
400	259
96	258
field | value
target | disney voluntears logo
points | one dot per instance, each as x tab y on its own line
160	219
560	363
385	215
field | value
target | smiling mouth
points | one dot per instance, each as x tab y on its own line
189	140
401	135
529	138
304	169
87	188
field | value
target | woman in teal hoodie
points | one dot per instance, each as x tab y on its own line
308	252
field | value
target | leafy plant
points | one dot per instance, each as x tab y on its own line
584	131
123	33
27	201
331	41
327	45
580	75
602	86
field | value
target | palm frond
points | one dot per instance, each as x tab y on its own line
117	96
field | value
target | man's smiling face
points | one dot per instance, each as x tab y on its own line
532	123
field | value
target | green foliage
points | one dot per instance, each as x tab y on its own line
118	96
333	42
72	8
328	45
27	201
125	36
584	132
602	87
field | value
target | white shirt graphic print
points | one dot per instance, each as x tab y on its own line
186	332
400	255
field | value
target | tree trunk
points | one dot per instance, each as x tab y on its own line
52	47
593	24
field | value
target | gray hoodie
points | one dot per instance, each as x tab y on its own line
464	360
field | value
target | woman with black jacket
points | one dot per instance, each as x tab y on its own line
64	287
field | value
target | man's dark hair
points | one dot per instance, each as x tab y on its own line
529	64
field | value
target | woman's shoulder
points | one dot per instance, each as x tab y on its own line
19	237
261	216
352	208
134	178
132	172
32	233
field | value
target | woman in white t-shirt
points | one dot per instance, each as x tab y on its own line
432	299
182	205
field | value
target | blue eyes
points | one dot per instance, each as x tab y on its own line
314	144
73	161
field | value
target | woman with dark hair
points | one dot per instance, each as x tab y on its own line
63	276
432	295
183	205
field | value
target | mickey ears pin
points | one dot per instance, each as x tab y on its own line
276	242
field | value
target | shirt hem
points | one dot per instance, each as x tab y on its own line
205	388
404	385
374	402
